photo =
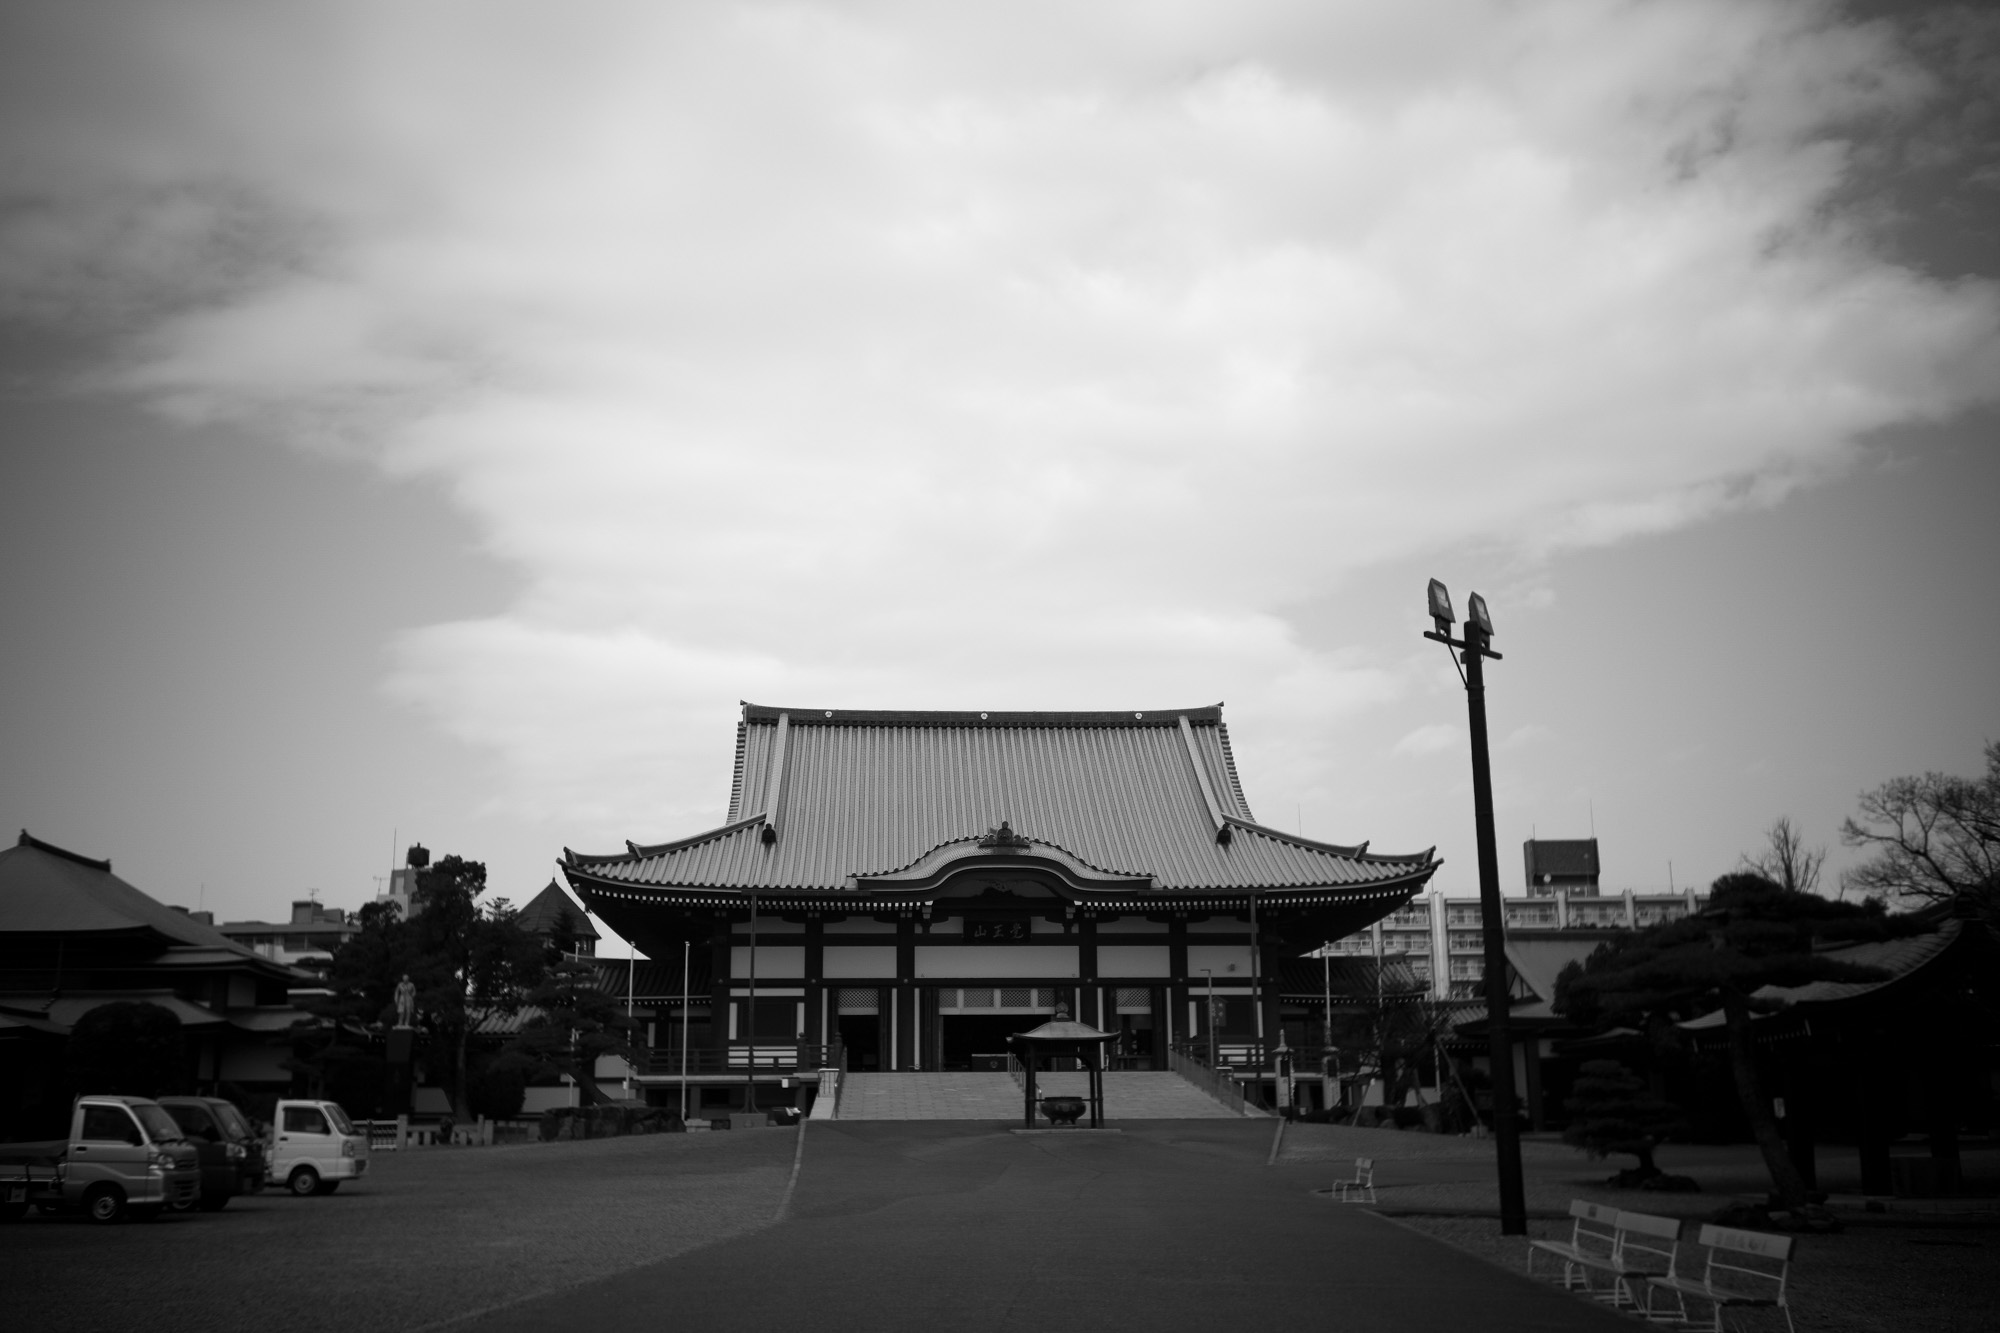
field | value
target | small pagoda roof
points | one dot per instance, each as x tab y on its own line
553	911
832	800
1064	1031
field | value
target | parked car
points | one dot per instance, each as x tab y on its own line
232	1156
124	1155
315	1147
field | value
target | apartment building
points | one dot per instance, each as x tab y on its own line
1442	939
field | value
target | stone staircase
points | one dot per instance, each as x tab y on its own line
1128	1095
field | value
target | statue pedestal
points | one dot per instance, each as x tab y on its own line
401	1052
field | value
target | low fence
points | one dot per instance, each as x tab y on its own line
707	1061
1217	1083
405	1132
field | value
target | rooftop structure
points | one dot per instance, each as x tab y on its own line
1567	865
307	940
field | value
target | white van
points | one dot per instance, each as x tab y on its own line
314	1146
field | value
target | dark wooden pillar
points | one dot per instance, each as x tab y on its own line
719	996
1177	990
818	1019
1940	1078
904	1019
1531	1079
1881	1079
1797	1126
1265	961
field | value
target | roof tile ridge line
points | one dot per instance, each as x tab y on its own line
639	852
736	778
774	787
1229	764
934	850
1216	819
28	839
1359	851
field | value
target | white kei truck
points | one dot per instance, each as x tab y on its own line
124	1156
314	1147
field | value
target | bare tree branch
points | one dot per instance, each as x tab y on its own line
1935	837
1785	860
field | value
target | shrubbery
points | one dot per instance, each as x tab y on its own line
606	1122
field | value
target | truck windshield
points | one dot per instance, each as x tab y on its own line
339	1117
160	1126
232	1122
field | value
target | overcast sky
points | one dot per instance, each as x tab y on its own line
428	422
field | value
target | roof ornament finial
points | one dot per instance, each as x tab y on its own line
1004	836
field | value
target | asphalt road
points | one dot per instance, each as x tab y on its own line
425	1237
959	1226
890	1226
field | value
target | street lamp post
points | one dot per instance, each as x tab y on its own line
1473	649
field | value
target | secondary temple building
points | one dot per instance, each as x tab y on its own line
912	887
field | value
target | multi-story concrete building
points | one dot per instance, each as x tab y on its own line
1441	938
307	940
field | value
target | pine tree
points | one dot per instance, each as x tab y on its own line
1613	1111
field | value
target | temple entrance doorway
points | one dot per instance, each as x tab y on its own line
858	1021
979	1041
974	1022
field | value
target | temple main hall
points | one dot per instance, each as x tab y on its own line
902	891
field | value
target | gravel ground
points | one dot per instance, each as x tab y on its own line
426	1237
1921	1266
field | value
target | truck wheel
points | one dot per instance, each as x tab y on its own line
303	1182
104	1203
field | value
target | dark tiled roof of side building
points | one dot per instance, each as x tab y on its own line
546	911
821	796
46	889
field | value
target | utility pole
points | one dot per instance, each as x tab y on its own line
1473	650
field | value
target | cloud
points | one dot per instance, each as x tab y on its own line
864	355
1435	738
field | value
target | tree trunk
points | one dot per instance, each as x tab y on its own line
1787	1184
461	1109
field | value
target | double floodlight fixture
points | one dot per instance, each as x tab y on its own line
1441	613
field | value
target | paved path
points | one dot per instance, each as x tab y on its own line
1169	1225
1128	1095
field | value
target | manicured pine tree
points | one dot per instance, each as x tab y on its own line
1754	934
1613	1111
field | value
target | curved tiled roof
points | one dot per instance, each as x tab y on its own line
820	797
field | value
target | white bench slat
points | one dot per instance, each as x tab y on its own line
1730	1292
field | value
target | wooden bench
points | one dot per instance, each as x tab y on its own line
1350	1191
1626	1247
1745	1270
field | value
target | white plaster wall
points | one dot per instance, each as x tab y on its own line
1225	960
998	960
1133	960
860	960
778	960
